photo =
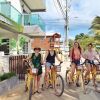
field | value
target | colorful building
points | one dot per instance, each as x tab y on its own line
14	22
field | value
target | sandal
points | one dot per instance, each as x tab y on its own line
38	92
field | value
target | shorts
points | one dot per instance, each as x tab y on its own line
91	62
76	62
48	64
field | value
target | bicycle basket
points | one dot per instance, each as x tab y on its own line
58	68
34	70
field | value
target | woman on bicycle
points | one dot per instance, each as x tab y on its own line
90	55
75	56
36	59
50	59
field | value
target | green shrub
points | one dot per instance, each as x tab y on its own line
7	76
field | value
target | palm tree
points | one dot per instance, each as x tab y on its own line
96	24
96	28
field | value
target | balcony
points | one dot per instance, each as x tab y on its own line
32	23
9	11
34	19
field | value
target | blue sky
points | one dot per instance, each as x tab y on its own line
81	14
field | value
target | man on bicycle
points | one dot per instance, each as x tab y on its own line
50	59
90	55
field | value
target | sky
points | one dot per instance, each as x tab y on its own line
81	14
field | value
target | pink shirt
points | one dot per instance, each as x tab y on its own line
77	53
90	55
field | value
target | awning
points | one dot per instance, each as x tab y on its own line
33	31
34	5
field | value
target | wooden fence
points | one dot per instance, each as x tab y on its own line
17	65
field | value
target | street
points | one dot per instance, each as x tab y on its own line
72	93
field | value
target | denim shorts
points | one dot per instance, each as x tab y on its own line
48	64
76	62
87	61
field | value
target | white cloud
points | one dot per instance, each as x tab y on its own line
51	32
85	10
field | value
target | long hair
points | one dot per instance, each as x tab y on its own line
79	47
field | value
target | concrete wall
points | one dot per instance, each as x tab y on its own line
4	64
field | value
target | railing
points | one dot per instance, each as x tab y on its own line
9	11
27	19
3	0
34	19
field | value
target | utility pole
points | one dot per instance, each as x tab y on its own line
66	26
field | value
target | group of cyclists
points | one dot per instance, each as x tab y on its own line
75	54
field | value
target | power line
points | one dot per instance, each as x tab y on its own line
56	8
61	9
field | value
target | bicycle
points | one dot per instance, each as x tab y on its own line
78	74
97	76
31	76
94	75
55	80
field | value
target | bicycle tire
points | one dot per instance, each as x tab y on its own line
62	82
31	89
83	85
97	80
66	77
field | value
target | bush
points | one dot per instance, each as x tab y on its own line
7	76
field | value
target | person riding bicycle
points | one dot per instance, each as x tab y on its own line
75	56
90	55
50	59
37	60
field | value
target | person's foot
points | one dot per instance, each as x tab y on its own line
38	92
26	89
34	92
77	84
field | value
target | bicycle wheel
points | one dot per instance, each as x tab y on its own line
97	79
59	85
66	77
31	89
47	82
83	81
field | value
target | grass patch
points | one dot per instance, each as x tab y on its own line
7	76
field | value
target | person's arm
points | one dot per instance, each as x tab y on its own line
96	57
58	58
41	59
29	57
70	54
45	56
84	55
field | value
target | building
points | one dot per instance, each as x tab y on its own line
25	22
45	43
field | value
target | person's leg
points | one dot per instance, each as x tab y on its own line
93	70
88	70
73	67
38	83
47	69
35	84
